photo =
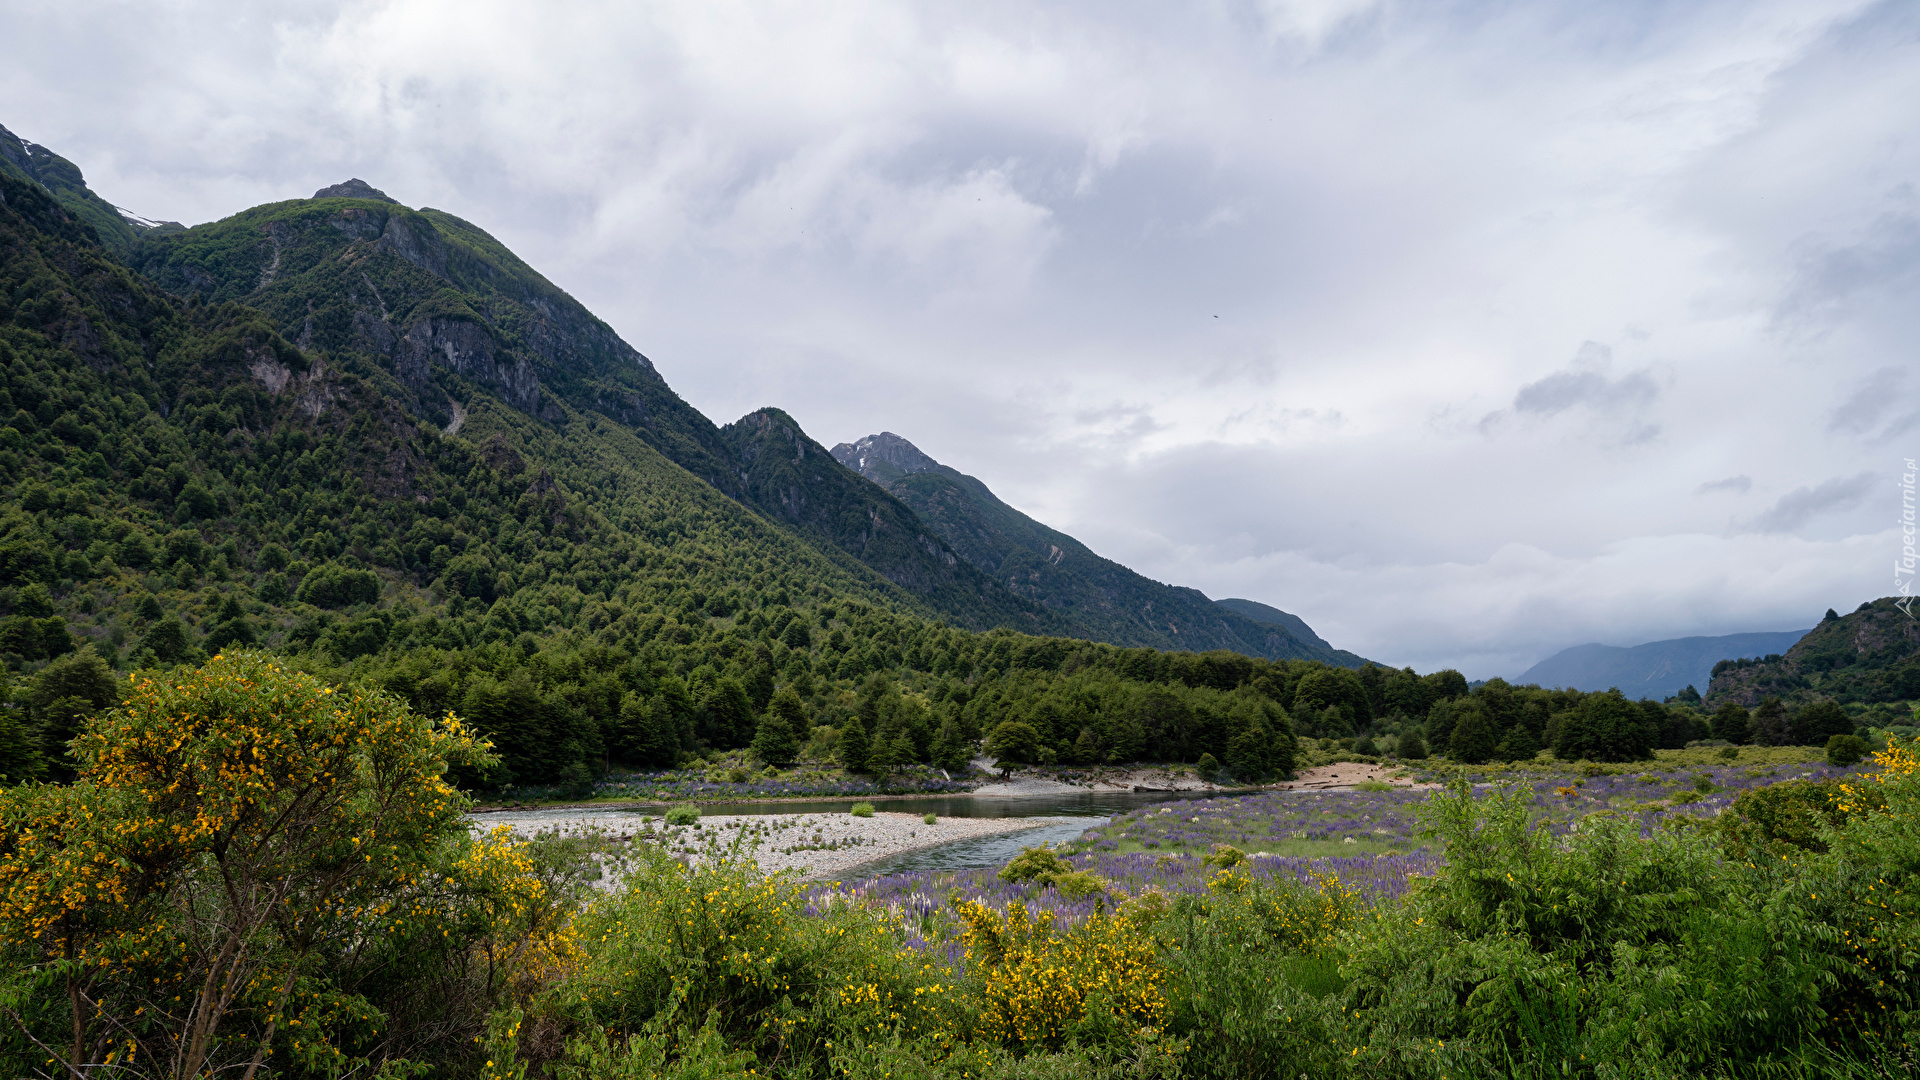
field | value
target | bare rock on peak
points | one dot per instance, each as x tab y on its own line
883	458
355	188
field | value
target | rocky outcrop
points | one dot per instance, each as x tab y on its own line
1870	655
883	457
355	188
469	349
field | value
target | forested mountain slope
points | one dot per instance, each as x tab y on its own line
179	477
454	318
1053	569
1871	656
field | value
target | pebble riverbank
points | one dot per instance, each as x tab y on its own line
818	846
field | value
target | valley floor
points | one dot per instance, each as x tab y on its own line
819	846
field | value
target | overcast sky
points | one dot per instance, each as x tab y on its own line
1466	332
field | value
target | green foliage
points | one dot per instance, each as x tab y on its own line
1871	656
1034	863
1789	817
208	883
861	809
1014	742
334	586
683	815
1412	746
1845	750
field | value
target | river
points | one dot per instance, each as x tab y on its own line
975	853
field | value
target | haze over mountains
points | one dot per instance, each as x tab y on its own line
1657	669
1054	570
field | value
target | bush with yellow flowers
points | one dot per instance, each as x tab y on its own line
714	942
256	870
1040	985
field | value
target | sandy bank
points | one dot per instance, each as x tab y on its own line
819	846
1345	774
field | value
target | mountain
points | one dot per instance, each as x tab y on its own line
1658	669
1871	656
371	440
449	313
115	228
1053	569
1273	616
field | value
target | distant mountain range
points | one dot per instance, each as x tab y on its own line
1061	574
1658	669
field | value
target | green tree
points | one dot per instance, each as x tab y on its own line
1412	746
168	640
1820	722
774	741
1014	742
950	747
65	693
1473	740
855	745
1769	724
1732	724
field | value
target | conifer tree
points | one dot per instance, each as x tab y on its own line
855	747
950	747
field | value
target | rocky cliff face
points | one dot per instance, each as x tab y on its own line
883	458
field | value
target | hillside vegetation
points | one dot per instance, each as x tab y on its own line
1869	657
258	872
479	525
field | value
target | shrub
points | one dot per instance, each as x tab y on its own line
1780	818
1032	863
1225	855
683	815
1208	767
722	944
1524	953
335	586
1095	984
1845	750
246	845
930	819
861	809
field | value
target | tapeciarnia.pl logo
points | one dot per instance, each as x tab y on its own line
1903	566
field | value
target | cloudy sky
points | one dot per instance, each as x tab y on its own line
1465	331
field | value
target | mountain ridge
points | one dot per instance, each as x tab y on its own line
1053	569
1655	669
1869	656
